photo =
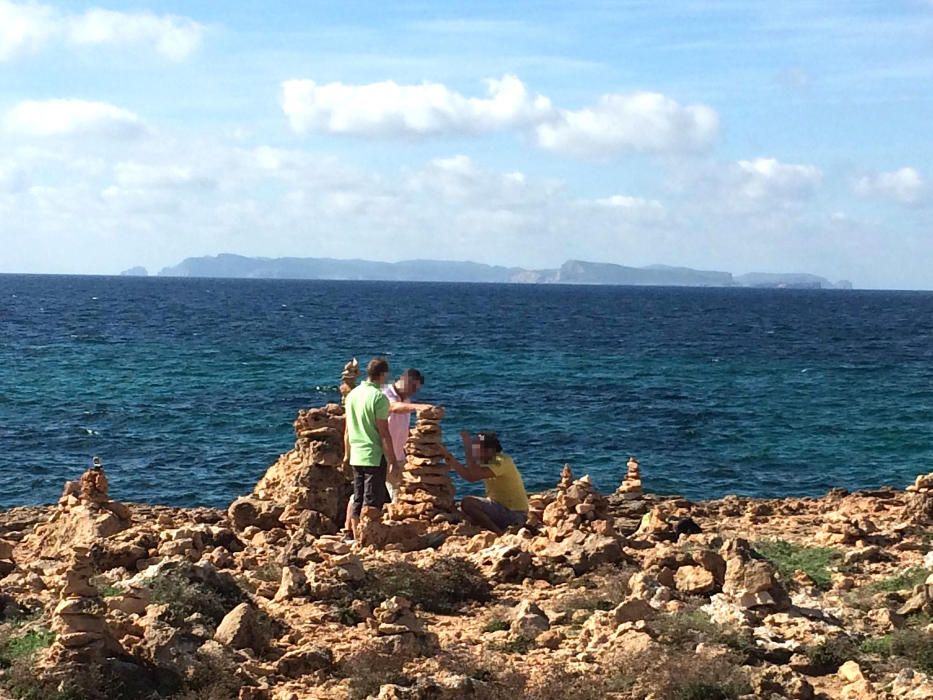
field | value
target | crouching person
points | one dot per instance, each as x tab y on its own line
506	502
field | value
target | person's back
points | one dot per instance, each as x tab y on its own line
368	445
507	487
365	404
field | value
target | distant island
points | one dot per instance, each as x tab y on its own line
571	272
135	272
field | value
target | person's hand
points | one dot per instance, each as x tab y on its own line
465	436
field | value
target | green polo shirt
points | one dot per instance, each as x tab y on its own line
364	406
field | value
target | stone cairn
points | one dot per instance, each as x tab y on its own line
631	485
920	500
348	378
79	620
427	490
308	486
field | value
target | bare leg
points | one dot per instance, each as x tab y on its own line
348	518
473	510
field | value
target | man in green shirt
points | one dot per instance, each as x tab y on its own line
368	444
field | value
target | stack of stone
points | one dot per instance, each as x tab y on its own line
79	618
920	500
395	616
426	490
631	485
307	485
351	372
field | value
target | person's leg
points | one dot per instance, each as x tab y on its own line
474	509
357	501
348	518
374	488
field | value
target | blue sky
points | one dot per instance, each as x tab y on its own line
741	136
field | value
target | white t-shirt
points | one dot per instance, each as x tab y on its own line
399	423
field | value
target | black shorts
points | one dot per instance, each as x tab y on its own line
369	488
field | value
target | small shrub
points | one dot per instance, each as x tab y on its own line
830	654
676	675
185	598
683	628
914	645
496	625
788	557
442	587
876	645
597	593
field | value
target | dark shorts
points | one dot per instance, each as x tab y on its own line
369	488
500	515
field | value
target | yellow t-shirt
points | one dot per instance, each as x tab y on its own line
506	488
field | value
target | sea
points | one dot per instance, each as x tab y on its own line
187	388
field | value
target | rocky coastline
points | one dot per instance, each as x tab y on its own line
624	595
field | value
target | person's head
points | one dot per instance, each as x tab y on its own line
377	371
486	446
410	381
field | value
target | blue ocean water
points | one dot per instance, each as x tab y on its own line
187	387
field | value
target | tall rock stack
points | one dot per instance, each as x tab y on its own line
79	619
348	378
308	485
631	485
426	490
920	500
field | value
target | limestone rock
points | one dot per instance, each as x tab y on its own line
528	621
241	629
694	580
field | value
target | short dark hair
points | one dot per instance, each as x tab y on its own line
488	438
377	367
414	375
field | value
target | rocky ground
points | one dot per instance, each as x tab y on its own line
624	595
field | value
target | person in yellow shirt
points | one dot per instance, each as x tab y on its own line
506	502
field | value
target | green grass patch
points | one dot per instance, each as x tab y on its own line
444	586
519	645
913	645
788	557
496	625
905	580
24	646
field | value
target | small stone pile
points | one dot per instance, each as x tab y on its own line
79	620
395	616
576	504
308	486
631	485
427	490
920	500
348	378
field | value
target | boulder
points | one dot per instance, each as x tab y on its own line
248	511
528	621
695	580
241	629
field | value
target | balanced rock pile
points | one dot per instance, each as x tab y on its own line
348	378
85	516
920	500
79	620
308	487
631	485
427	490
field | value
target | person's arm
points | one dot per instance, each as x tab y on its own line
471	473
382	425
346	444
405	407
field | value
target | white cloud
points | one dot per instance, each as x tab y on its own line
905	186
26	27
70	117
389	109
767	178
12	177
642	121
626	205
150	176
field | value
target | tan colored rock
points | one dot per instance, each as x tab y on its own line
240	629
694	580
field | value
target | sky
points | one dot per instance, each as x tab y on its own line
716	134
